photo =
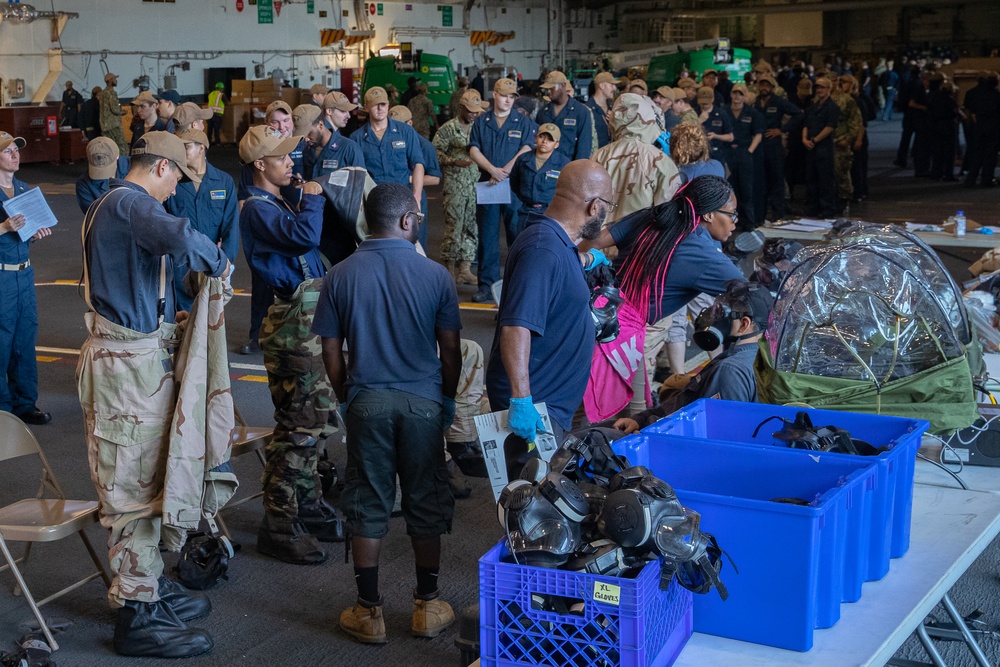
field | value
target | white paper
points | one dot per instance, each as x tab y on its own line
339	178
34	208
920	227
493	433
807	225
493	194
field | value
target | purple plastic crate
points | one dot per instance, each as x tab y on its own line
892	506
646	628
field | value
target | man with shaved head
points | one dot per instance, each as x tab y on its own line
544	338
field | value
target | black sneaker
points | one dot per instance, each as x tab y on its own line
35	417
482	296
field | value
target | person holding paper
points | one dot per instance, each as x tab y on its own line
497	139
544	339
19	314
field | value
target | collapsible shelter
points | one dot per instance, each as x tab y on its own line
870	321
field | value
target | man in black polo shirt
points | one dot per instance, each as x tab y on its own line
400	396
545	334
817	138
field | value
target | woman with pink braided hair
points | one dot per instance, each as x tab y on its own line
668	255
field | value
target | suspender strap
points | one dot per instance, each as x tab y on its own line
88	222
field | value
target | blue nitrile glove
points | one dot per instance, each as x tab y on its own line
447	413
598	258
523	419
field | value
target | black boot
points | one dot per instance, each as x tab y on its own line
187	604
323	523
287	540
152	630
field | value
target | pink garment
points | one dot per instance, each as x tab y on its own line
614	366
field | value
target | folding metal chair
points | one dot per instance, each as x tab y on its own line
246	439
42	518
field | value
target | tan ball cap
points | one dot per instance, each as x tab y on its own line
277	105
473	102
102	158
6	140
190	136
400	113
375	96
261	141
304	117
189	112
337	100
166	145
550	129
505	87
554	79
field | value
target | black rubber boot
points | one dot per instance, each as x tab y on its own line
323	523
187	604
152	630
288	540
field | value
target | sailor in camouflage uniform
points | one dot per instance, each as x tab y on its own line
849	126
281	243
458	249
125	379
642	174
111	114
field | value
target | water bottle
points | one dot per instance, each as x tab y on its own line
960	223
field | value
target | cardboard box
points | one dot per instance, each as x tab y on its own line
242	87
266	86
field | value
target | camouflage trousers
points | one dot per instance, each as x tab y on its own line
125	380
116	135
302	397
843	158
461	235
469	398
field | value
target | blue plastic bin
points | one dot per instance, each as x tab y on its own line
791	558
731	421
647	627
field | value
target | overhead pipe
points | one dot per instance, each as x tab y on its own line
791	8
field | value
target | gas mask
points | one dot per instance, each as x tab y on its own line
642	514
542	519
204	561
713	325
605	299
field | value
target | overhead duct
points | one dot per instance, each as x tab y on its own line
18	13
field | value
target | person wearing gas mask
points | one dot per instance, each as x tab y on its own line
642	173
737	319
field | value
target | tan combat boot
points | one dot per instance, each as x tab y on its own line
431	617
463	276
452	269
364	622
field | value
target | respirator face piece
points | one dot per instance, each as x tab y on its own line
713	325
542	519
604	303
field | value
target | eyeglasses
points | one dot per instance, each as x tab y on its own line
610	204
734	216
419	216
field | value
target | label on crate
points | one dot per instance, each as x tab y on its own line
607	593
